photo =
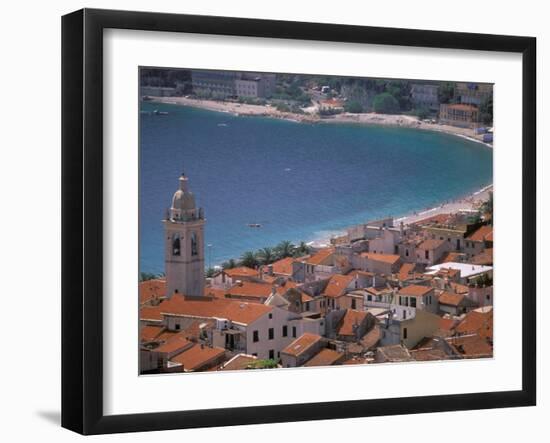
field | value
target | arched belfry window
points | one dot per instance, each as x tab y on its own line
176	245
194	248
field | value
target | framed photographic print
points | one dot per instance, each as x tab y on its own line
270	221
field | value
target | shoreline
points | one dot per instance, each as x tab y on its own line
368	118
466	203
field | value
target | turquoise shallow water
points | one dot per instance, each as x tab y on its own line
301	181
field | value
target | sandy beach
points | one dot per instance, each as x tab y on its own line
368	118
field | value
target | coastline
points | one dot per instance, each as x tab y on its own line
466	203
369	118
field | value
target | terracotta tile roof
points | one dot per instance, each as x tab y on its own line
385	258
453	257
429	354
283	266
338	285
198	357
325	357
483	258
415	290
285	286
149	333
301	344
152	313
214	292
241	271
450	299
459	288
251	289
239	362
481	233
439	219
176	343
350	318
446	324
477	322
322	257
150	289
406	271
489	236
471	346
431	244
235	310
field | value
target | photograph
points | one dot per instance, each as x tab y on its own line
291	220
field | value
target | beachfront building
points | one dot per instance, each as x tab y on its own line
469	274
459	114
184	244
425	95
418	297
226	84
473	93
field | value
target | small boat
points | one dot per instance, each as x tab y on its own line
157	112
222	125
254	225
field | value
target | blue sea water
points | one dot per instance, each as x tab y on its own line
300	181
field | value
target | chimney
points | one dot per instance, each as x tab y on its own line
270	269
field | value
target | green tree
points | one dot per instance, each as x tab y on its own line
262	364
486	111
144	276
353	106
301	249
210	272
285	249
266	256
385	103
249	259
446	92
229	264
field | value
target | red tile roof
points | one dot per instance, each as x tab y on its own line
238	311
149	333
150	289
451	299
251	289
481	233
283	266
322	257
214	292
415	290
477	322
176	343
385	258
471	346
326	357
198	356
239	362
301	344
151	313
351	318
406	271
338	285
241	271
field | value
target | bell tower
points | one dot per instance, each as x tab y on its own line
184	243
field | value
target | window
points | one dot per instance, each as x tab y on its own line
406	252
353	304
293	331
285	330
430	300
176	246
254	354
271	354
270	333
369	297
255	336
270	315
177	326
194	248
413	302
427	254
404	314
404	333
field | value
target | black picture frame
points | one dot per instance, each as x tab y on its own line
82	218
